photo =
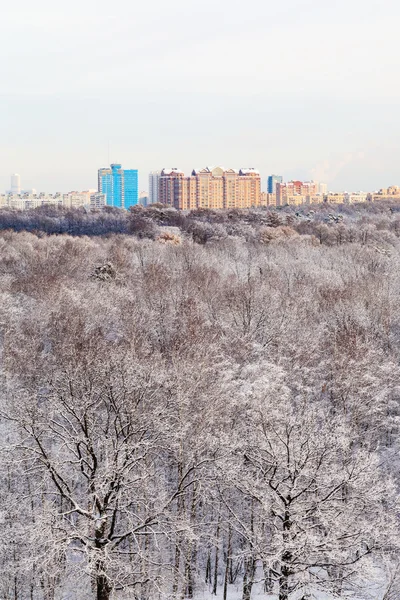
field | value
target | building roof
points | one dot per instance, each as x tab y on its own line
172	171
249	171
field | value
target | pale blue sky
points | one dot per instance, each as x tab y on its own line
306	88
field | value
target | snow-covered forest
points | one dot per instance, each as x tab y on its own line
200	407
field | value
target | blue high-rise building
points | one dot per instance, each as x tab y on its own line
272	181
119	185
131	191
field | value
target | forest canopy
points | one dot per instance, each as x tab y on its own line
202	404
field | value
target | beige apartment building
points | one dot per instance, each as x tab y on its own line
89	199
295	192
212	188
267	199
390	193
332	198
315	199
356	197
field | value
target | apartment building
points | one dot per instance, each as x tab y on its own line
272	181
119	185
89	199
213	188
295	192
332	198
154	178
355	197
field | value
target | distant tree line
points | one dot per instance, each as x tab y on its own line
327	224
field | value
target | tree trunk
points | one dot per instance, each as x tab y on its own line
248	577
286	560
208	567
175	585
284	583
227	563
180	507
268	582
215	583
192	551
249	562
103	588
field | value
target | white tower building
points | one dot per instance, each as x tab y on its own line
153	186
15	184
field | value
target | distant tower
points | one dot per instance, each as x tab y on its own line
119	185
272	181
143	198
15	184
154	178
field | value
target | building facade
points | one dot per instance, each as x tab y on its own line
272	181
15	184
355	197
89	199
295	192
212	188
154	178
28	201
119	185
77	199
335	198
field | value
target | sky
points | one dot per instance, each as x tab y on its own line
308	89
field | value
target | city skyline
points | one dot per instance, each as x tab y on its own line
135	179
212	188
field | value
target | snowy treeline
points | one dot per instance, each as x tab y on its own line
328	224
178	417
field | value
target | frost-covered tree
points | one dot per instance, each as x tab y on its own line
322	507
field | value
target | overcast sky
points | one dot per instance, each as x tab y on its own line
304	88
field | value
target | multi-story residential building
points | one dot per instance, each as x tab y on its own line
249	182
267	199
309	188
393	190
272	181
89	199
119	185
27	201
130	189
323	188
296	199
315	199
213	188
170	187
97	200
297	185
390	193
332	198
286	192
154	178
283	191
355	197
264	197
77	199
